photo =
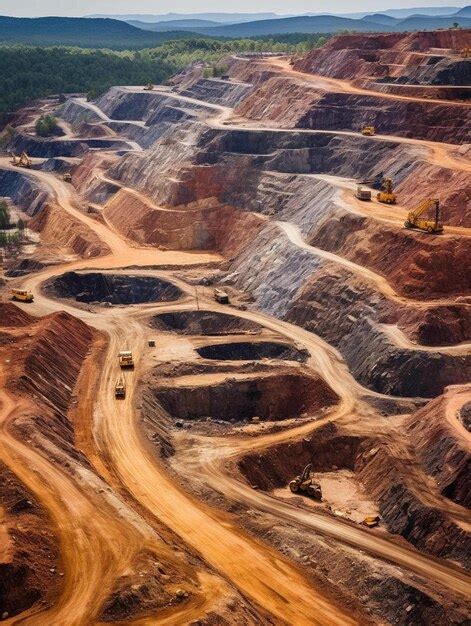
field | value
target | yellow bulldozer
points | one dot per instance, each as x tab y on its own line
21	295
386	195
368	131
22	161
431	226
304	483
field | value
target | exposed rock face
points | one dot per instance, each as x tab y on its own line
63	233
408	56
29	549
252	351
188	227
23	190
218	91
47	148
274	397
441	447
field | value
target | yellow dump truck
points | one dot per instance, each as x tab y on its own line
125	359
368	131
22	295
120	389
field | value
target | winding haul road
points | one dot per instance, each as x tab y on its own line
97	546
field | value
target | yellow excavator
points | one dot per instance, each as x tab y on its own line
304	483
386	195
22	161
368	131
434	226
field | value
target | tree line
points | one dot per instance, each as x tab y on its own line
29	72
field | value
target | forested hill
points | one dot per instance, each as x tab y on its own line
86	33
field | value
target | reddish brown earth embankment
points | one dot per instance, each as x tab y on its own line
443	446
29	558
61	232
269	397
319	109
385	54
384	478
46	358
415	264
204	225
453	188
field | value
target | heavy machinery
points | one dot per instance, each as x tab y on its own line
386	195
466	53
363	194
149	87
67	177
368	131
304	483
371	521
414	220
22	295
22	161
221	296
120	389
125	359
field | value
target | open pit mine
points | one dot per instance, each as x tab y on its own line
235	346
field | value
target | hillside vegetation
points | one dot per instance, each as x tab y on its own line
27	73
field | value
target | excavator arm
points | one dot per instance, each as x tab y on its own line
414	219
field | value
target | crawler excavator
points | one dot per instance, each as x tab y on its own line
368	131
386	195
433	227
304	483
22	161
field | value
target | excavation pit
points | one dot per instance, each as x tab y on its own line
273	397
112	288
252	351
204	323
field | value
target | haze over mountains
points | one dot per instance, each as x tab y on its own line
127	33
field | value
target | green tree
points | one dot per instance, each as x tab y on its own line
4	215
46	126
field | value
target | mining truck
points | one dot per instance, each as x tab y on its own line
304	483
67	177
368	131
125	359
22	295
120	389
221	296
363	194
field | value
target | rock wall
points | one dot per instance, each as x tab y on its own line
23	190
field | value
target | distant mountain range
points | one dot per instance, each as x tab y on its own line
316	24
120	35
86	33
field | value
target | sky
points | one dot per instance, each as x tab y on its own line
34	8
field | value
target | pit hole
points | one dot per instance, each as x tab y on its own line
204	323
112	288
252	351
274	397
